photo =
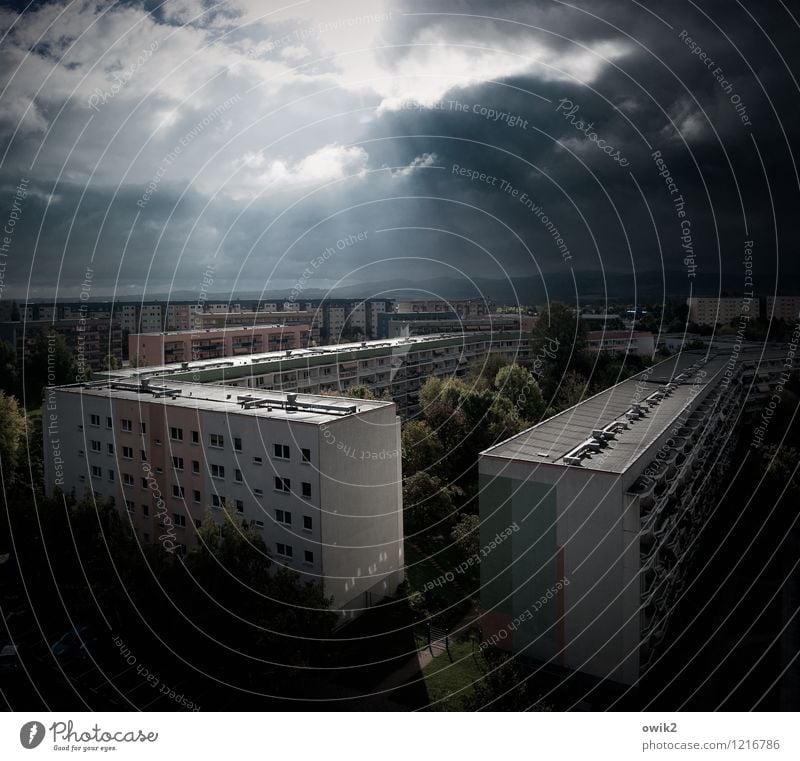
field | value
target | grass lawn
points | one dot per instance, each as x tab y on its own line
450	682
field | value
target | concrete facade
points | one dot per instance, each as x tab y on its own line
318	477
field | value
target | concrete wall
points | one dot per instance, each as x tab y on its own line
362	531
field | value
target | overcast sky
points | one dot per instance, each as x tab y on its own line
153	141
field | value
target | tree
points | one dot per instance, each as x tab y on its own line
12	431
519	387
49	361
467	535
573	389
426	502
506	686
558	340
422	448
8	368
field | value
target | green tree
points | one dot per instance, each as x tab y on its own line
426	502
12	431
519	387
9	381
49	361
558	341
467	535
422	448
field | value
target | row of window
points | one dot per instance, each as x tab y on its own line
282	549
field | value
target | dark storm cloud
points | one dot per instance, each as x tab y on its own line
321	148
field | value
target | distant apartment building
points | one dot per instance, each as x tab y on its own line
710	310
598	508
179	316
394	324
214	320
638	342
462	307
397	368
149	349
785	308
319	478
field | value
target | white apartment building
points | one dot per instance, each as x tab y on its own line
398	367
636	342
782	308
600	504
318	477
710	310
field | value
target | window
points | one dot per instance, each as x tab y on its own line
281	451
217	471
257	461
127	453
237	475
308	557
258	492
283	484
177	463
144	456
305	455
179	520
239	506
128	479
110	474
237	444
144	483
196	467
176	434
94	420
158	442
97	471
127	425
195	437
217	500
145	510
80	453
196	495
257	524
216	440
307	523
177	491
306	489
109	423
284	517
110	448
130	505
284	550
95	445
197	523
142	427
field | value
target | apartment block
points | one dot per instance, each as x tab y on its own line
462	307
638	342
710	310
151	349
318	477
597	508
395	367
782	308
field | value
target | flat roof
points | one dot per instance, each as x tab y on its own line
315	409
551	440
202	331
253	361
